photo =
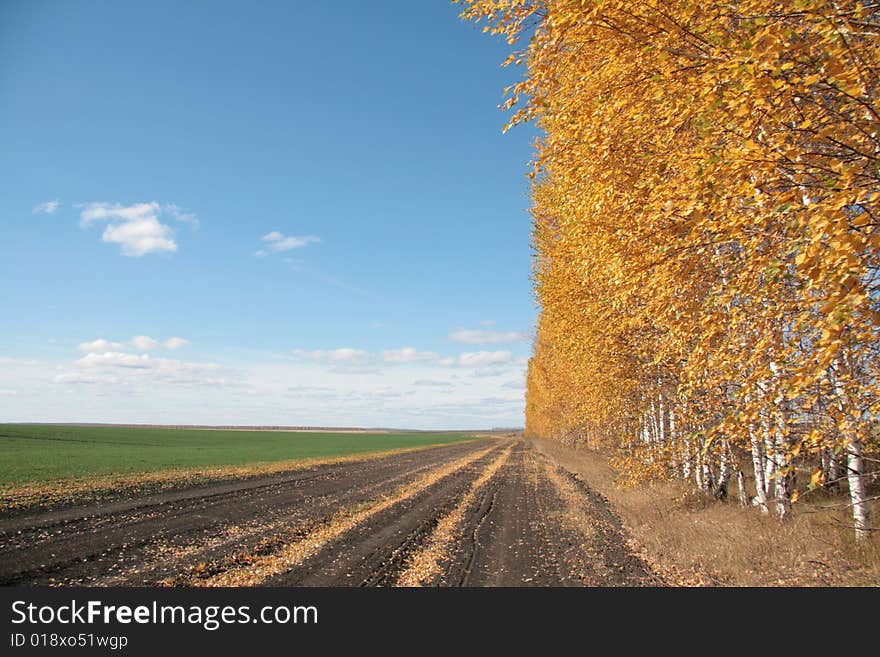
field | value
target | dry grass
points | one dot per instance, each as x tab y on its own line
691	539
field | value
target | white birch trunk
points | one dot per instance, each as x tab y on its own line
741	488
722	489
758	468
855	464
698	468
780	449
687	465
708	476
857	495
661	420
769	463
781	483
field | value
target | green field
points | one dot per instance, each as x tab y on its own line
38	453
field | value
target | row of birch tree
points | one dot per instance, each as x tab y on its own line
705	200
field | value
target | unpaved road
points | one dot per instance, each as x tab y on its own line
488	513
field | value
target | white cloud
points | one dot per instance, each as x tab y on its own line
175	343
407	355
330	387
483	372
404	355
140	237
478	359
144	343
181	215
4	360
138	342
127	368
93	212
484	358
343	355
347	354
432	383
83	378
100	345
136	228
49	207
277	242
115	359
481	336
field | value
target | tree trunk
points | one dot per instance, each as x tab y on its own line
758	467
857	495
741	488
723	487
782	481
835	472
698	468
855	464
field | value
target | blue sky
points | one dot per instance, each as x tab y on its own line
314	199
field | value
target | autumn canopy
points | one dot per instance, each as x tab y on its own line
705	209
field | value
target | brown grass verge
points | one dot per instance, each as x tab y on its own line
694	540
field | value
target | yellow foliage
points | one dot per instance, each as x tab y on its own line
705	206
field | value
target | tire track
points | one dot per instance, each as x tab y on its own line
146	539
485	513
611	561
259	568
516	538
532	527
378	551
424	566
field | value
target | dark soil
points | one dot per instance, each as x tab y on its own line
515	533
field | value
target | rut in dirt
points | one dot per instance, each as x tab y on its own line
485	513
145	540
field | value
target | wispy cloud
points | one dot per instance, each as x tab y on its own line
342	355
100	345
49	207
114	381
407	355
138	342
276	242
432	383
123	368
136	228
144	342
484	336
178	214
481	359
115	359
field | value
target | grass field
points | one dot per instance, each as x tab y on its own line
31	454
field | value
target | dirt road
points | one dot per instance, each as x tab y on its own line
487	513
